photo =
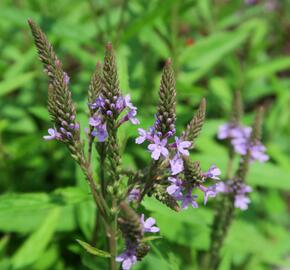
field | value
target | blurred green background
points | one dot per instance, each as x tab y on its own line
217	46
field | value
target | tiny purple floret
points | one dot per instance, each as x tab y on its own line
158	148
53	134
148	224
128	259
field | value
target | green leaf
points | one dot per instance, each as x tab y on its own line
146	18
26	212
10	84
92	250
187	231
151	238
207	52
37	242
271	67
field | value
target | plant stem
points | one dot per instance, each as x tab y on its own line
221	224
149	180
98	197
102	154
112	237
90	145
230	163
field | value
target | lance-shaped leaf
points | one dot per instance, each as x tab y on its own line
92	250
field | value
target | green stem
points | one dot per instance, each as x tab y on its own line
230	163
221	224
112	239
149	180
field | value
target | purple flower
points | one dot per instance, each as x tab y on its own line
233	131
128	103
239	190
128	259
158	148
95	121
181	146
134	194
99	103
120	104
258	153
210	191
240	145
175	188
187	199
176	165
221	187
148	224
53	134
130	116
257	150
100	132
213	172
242	201
142	136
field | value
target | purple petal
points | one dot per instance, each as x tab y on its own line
172	189
155	154
149	222
164	152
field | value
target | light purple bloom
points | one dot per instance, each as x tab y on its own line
142	136
221	187
213	172
242	201
158	148
131	114
128	103
148	224
258	153
95	121
181	146
128	259
232	131
134	194
240	145
239	189
99	103
257	150
176	165
175	188
210	191
120	104
53	134
187	199
100	132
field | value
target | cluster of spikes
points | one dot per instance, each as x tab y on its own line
171	177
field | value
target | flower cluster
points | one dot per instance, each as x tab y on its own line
182	190
240	138
104	108
130	256
239	190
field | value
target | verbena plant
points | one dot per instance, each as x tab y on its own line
172	177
